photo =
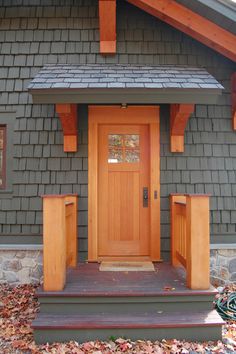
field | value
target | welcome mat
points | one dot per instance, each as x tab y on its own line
126	267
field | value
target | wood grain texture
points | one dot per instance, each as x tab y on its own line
190	239
54	244
68	117
174	199
87	281
128	320
59	239
110	115
123	223
107	26
179	116
92	185
71	231
155	223
198	243
192	24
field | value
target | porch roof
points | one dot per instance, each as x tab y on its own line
124	84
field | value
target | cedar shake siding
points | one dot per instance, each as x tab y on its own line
33	34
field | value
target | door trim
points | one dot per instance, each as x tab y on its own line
148	115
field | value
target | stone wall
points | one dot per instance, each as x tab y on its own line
19	266
223	265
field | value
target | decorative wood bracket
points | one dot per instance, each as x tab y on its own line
68	117
233	99
107	24
179	116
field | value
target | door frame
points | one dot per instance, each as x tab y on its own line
148	115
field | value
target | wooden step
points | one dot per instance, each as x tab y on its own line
145	320
201	325
58	304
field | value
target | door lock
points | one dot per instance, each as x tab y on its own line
145	197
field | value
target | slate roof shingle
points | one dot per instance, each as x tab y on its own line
122	76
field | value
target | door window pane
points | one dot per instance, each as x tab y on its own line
131	141
123	148
115	140
132	156
115	155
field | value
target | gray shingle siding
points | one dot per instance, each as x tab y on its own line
43	32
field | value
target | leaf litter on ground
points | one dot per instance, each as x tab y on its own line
19	305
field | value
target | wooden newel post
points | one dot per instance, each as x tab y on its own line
54	243
198	242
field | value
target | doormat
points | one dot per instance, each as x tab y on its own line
126	267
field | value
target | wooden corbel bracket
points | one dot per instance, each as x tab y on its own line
68	117
107	25
233	100
179	116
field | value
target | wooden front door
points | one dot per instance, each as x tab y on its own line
125	143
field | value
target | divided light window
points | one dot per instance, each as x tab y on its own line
2	155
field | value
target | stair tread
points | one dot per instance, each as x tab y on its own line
142	320
86	293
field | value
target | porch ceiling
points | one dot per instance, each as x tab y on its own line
112	84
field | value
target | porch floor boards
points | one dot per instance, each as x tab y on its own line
87	280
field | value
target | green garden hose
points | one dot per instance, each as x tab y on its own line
226	306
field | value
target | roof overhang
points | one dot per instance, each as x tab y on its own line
69	85
115	84
126	96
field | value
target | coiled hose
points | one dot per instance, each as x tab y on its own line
225	305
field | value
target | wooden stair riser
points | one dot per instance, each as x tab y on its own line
78	305
84	335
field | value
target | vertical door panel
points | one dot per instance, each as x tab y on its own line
123	222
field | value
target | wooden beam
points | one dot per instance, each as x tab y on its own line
192	24
179	116
107	24
68	117
233	100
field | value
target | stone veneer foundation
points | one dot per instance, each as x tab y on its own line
20	264
223	264
23	264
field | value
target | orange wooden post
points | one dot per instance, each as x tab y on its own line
198	242
71	231
54	243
